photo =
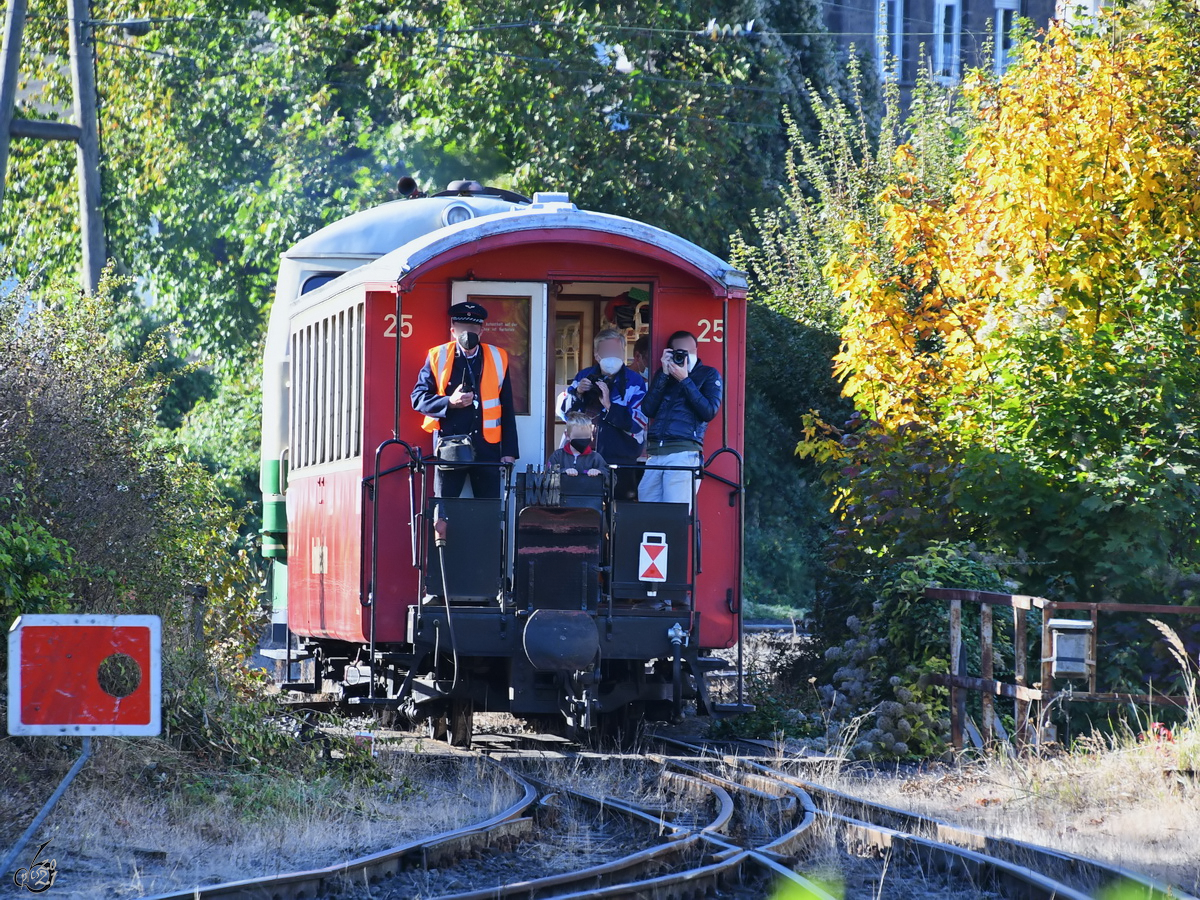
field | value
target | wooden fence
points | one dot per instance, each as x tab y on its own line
1025	696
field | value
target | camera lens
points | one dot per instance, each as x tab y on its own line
679	357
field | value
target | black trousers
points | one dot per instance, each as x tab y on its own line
485	479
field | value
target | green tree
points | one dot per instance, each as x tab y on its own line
101	512
796	320
232	129
1024	343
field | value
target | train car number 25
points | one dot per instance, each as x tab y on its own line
708	330
406	325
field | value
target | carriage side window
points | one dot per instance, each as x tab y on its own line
325	419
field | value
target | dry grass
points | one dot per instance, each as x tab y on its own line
140	820
1120	800
1130	798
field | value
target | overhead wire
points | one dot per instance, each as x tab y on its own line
602	73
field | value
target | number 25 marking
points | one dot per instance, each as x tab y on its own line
406	326
710	330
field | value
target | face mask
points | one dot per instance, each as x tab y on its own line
581	445
468	340
692	360
611	365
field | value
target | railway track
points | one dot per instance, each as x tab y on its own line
685	820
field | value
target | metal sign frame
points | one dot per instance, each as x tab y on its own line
149	688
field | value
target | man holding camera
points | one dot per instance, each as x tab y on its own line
610	393
465	394
682	399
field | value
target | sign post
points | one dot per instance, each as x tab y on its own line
82	675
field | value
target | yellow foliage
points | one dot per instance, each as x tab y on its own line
1080	170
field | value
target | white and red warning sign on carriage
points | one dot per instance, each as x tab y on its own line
85	675
652	560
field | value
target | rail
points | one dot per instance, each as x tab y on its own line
507	823
1019	867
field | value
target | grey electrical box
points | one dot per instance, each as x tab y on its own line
1070	643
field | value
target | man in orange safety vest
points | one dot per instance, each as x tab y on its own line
464	392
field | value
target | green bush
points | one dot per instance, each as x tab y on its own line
102	510
35	566
905	637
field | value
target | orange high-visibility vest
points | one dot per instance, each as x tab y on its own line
495	365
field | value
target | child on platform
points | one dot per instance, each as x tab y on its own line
576	455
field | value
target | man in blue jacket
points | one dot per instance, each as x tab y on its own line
610	394
681	400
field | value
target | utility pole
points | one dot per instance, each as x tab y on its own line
84	132
14	32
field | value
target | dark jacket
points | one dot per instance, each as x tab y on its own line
681	410
567	458
621	429
468	419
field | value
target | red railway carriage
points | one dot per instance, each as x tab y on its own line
532	603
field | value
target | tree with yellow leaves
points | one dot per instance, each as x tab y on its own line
1024	350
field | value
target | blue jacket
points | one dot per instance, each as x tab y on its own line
681	410
621	429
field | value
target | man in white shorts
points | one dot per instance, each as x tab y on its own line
682	399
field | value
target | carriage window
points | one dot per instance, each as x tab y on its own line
315	281
508	327
325	418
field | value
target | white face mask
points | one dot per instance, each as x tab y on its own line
692	360
611	365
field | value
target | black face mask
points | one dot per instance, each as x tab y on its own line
468	340
581	445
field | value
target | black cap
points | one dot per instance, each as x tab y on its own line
468	312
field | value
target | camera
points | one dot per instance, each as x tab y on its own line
679	357
593	396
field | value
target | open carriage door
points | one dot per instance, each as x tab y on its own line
517	323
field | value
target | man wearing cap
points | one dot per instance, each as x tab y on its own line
464	392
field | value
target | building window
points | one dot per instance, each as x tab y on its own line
1079	12
1006	23
947	23
889	37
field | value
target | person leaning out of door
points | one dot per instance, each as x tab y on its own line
682	399
465	394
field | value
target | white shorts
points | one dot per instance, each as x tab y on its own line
659	486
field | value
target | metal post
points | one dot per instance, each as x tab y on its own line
83	80
6	866
986	671
14	32
1020	661
956	722
1093	649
